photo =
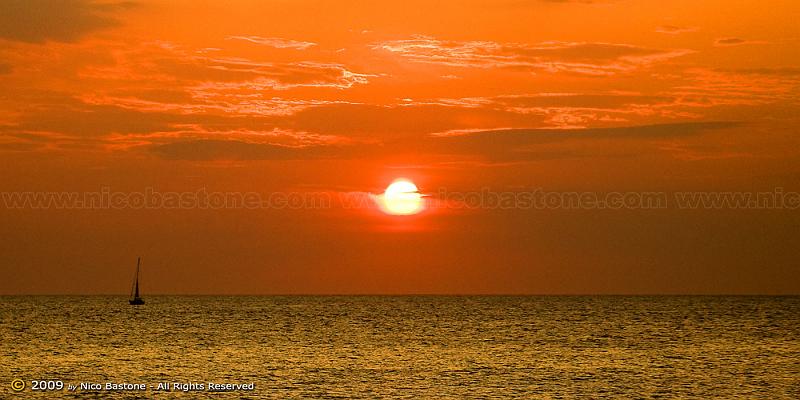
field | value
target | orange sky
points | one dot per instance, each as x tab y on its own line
342	97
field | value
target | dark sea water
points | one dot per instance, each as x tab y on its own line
408	347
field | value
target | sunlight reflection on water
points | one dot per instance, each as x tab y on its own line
413	347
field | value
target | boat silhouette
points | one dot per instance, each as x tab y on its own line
135	299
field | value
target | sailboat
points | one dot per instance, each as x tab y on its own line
135	299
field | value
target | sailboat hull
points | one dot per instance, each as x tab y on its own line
136	302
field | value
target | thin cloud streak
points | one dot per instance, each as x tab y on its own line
501	145
584	58
278	43
734	41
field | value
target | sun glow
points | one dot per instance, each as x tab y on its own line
401	197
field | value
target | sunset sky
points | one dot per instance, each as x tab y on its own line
343	97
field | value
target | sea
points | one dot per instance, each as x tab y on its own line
409	347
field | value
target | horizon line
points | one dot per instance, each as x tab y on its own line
410	295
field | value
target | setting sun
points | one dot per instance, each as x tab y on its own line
401	197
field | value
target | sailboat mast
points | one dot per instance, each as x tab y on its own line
136	293
136	300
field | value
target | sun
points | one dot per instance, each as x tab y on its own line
401	197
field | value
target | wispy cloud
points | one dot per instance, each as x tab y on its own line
585	58
278	43
168	62
675	30
734	41
704	87
498	145
200	82
577	110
